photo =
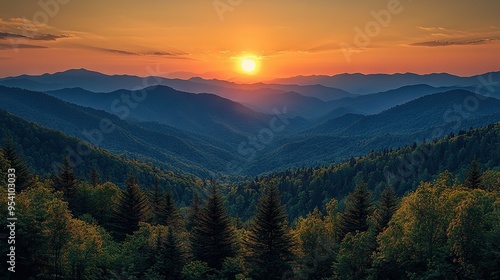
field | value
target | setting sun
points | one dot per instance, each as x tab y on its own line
248	65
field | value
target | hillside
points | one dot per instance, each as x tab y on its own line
426	118
403	169
165	146
44	149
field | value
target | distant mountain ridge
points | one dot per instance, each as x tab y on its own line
371	83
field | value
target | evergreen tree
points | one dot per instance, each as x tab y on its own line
156	201
213	238
387	206
473	179
66	182
358	209
132	207
170	259
270	241
169	213
194	212
24	178
94	177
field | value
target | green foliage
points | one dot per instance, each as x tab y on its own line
196	270
213	237
194	212
65	181
132	207
270	241
358	209
304	189
43	149
169	260
353	261
441	231
473	179
317	241
11	159
387	205
169	214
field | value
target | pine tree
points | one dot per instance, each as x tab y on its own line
213	238
270	241
358	209
94	177
473	179
132	207
387	206
194	212
156	201
65	181
169	213
170	259
24	178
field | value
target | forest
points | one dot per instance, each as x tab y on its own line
345	221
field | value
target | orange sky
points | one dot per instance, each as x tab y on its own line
286	37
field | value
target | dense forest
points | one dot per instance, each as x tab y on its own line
368	218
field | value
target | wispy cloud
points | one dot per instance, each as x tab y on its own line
171	55
454	43
115	51
37	37
20	46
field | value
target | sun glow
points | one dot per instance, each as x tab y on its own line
248	65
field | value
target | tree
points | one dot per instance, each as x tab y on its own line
24	178
213	237
270	241
358	209
94	177
170	259
65	181
473	179
156	201
196	270
387	206
194	212
132	207
316	240
84	249
169	214
354	260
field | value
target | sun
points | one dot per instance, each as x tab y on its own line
248	65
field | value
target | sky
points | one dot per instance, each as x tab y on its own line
210	38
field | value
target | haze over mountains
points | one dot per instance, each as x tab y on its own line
203	126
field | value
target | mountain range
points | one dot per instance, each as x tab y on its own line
206	133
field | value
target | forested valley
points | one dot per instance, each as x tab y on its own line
427	211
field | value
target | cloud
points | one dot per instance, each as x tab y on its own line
5	35
162	53
117	51
48	37
20	46
38	37
454	43
170	55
